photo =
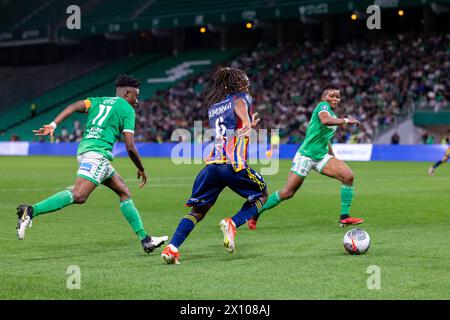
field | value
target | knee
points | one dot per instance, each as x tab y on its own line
79	197
348	178
124	194
263	198
198	215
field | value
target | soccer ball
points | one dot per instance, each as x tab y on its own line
356	241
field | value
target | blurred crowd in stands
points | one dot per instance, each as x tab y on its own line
381	80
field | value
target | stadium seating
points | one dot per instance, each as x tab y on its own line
22	15
287	86
113	10
50	13
18	116
14	11
174	8
101	83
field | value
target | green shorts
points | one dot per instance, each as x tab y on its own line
302	165
94	167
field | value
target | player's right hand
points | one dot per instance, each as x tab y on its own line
44	131
143	176
255	119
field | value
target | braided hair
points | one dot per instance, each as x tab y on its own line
226	81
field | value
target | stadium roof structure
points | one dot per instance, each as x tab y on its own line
172	14
46	20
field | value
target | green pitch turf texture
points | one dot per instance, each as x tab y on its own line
295	253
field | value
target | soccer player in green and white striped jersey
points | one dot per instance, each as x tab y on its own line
107	119
316	153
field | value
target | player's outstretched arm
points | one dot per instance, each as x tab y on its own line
134	156
48	129
328	120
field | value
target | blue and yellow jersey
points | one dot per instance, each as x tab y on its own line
225	122
447	152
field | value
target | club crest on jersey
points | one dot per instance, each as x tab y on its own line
86	166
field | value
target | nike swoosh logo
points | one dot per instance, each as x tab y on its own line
24	213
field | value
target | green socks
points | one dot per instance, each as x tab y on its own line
273	201
53	203
65	198
347	193
134	219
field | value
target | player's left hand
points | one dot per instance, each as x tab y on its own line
143	176
44	131
353	121
255	119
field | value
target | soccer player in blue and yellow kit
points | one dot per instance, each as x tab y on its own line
231	116
438	163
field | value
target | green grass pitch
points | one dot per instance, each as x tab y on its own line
295	253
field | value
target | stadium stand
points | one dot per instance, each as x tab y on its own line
18	117
101	83
287	83
174	8
50	76
378	87
377	93
51	12
15	11
113	10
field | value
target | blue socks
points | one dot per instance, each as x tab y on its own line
187	224
437	164
185	227
248	210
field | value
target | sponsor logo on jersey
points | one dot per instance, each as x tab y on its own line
94	133
86	166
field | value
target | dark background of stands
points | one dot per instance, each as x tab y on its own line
32	70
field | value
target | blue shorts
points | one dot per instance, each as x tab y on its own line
215	177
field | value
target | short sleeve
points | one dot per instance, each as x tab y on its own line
89	102
324	107
246	97
129	120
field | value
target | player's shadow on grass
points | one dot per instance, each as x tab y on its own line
219	256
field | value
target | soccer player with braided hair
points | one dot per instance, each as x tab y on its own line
107	119
230	115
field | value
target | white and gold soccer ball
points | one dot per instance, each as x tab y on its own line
356	241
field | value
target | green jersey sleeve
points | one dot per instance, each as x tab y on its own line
90	102
129	120
324	106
